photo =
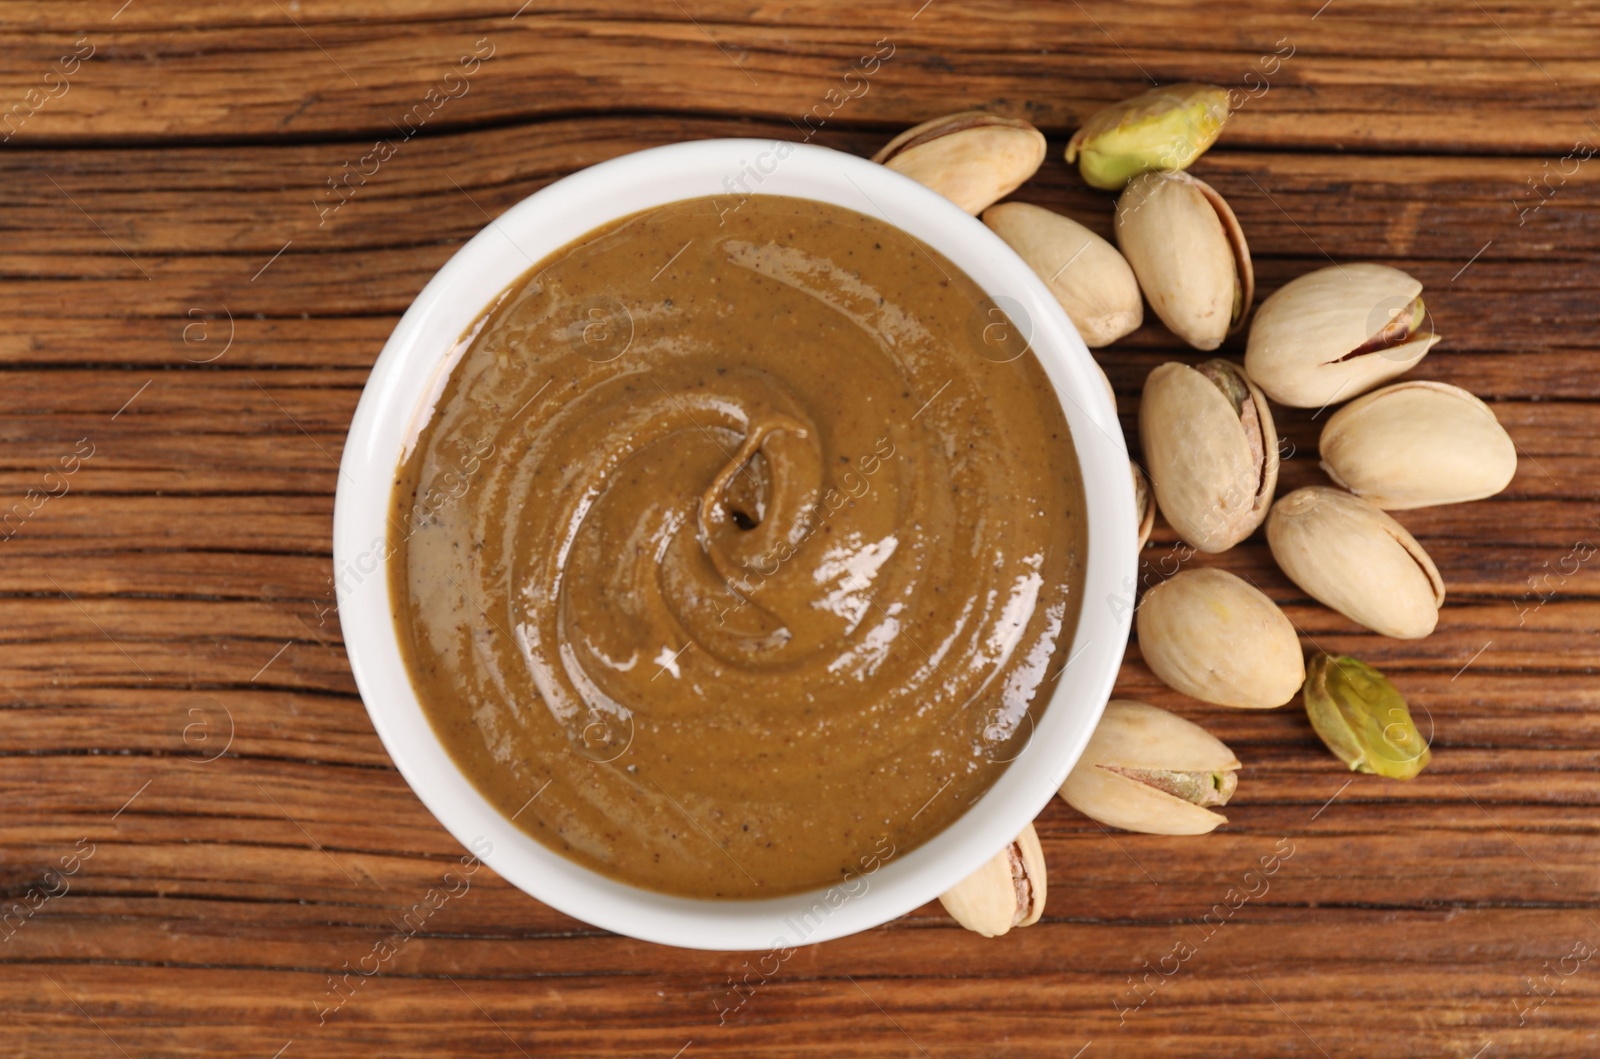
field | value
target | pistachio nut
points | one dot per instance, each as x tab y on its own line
1165	128
1144	505
1349	555
1363	718
971	158
1085	273
1418	443
1186	248
1212	450
1008	891
1149	770
1219	639
1111	391
1335	333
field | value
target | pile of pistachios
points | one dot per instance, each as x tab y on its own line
1211	460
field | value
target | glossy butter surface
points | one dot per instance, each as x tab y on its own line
741	549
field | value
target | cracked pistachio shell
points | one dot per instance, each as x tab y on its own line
1165	128
1349	555
1008	891
971	158
1418	443
1211	449
1144	504
1217	638
1086	274
1186	248
1363	718
1335	333
1152	771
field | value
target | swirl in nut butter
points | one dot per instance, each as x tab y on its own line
738	546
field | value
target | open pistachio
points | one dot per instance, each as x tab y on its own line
1352	557
1219	639
1189	254
1212	451
1418	443
1149	770
1008	891
971	158
1363	718
1335	333
1144	505
1165	128
1085	273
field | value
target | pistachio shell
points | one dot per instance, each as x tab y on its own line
1185	246
1164	128
1218	639
1144	504
1418	443
1085	273
1008	891
971	158
1212	456
1316	339
1111	391
1135	740
1351	556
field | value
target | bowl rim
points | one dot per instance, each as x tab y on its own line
399	395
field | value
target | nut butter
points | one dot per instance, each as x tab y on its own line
739	545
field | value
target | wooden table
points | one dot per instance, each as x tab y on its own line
202	255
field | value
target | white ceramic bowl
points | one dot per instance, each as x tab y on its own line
400	392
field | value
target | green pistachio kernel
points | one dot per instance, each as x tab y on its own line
1402	328
1362	718
1204	789
1165	128
1227	377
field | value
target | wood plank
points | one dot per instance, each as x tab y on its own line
817	1008
254	70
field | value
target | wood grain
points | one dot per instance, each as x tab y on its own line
1443	77
174	692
